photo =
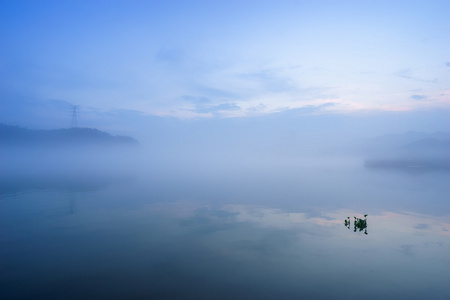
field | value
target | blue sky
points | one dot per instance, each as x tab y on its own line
221	59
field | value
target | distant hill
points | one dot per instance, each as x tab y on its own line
394	142
14	135
428	145
63	158
410	150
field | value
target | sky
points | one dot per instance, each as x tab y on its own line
127	62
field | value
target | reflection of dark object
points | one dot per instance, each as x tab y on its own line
347	222
358	224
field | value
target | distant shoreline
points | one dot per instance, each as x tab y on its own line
425	164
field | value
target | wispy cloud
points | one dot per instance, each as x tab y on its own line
257	108
409	74
422	226
196	100
418	97
170	55
214	109
214	92
270	80
198	64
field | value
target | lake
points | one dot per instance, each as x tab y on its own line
217	230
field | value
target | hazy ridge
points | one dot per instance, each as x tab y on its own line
10	135
410	150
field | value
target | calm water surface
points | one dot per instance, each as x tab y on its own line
268	231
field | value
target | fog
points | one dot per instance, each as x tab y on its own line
236	141
224	149
329	160
279	150
224	209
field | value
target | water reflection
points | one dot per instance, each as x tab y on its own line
181	249
71	183
146	240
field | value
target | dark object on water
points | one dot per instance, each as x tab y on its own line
358	224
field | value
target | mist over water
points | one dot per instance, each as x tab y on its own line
170	222
224	149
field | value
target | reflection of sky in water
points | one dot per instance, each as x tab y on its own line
149	241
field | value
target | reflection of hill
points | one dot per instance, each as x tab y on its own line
68	183
23	136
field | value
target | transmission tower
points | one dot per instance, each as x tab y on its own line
75	114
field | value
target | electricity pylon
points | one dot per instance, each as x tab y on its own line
75	114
